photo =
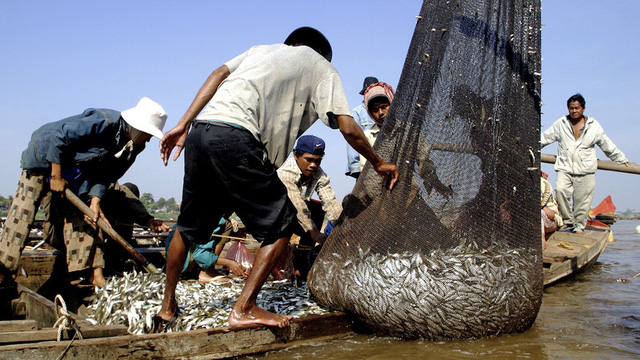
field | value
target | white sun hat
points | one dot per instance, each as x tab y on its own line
147	116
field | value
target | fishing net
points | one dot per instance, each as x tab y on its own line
454	251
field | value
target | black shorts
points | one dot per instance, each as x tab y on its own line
226	168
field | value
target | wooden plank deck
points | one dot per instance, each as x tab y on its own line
196	344
23	340
561	262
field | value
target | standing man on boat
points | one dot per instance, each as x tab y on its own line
576	164
362	117
259	103
87	153
302	176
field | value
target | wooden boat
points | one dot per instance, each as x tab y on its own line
568	254
20	339
33	337
30	334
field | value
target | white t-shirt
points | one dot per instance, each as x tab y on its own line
277	92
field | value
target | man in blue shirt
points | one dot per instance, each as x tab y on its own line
361	116
87	153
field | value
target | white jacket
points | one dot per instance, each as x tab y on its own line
578	157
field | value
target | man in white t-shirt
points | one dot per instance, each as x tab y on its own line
259	103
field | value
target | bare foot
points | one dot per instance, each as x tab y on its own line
97	278
257	315
210	275
204	278
168	313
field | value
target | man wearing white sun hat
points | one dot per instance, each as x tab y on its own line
86	153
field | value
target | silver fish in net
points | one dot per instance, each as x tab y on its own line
459	293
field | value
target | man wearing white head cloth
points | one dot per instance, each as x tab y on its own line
86	153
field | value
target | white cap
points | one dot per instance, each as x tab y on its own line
148	116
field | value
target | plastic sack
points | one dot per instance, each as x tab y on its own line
239	252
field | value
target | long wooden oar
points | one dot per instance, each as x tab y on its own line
602	165
109	230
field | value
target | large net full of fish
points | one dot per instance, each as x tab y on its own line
454	251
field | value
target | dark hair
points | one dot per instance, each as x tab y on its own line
134	189
312	38
378	99
577	97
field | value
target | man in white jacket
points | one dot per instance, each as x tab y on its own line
576	163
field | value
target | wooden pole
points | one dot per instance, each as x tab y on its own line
602	165
214	235
109	230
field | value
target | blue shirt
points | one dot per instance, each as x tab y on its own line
85	146
361	116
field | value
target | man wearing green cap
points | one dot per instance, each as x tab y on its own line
255	107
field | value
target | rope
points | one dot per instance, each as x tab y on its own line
65	322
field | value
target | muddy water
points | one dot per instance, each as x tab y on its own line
595	315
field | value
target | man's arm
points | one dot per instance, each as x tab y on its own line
57	183
355	137
177	135
288	178
550	135
327	196
611	150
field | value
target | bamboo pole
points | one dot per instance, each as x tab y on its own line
602	165
109	230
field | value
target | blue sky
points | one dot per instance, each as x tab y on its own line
59	58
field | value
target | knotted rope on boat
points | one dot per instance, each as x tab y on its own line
65	322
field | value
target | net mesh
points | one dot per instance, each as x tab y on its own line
454	251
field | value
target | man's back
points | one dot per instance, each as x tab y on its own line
277	92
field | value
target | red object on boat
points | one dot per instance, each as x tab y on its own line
597	223
605	207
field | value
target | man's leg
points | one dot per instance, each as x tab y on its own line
564	192
544	237
198	212
176	257
84	245
21	215
249	185
584	189
301	255
245	310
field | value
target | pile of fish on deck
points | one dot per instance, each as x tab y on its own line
134	299
461	292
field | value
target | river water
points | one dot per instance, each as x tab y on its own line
595	315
